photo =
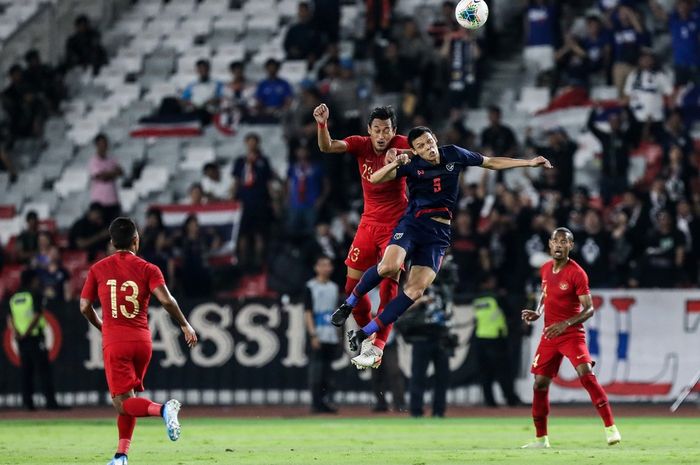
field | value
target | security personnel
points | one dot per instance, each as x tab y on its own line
28	322
491	345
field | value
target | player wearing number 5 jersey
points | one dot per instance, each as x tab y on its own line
423	233
123	283
383	206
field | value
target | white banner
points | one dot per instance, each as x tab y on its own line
646	345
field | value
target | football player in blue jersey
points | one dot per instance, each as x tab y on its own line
423	233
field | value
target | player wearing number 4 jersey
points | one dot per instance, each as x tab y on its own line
423	233
383	206
564	293
123	283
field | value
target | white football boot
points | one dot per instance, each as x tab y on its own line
612	434
538	443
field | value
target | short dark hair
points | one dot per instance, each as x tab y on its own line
416	132
208	166
16	68
252	135
236	64
202	62
495	109
31	215
383	114
122	232
32	54
272	61
100	137
320	257
566	231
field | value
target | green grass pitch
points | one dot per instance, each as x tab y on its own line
382	441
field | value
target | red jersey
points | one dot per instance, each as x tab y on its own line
561	292
385	203
123	282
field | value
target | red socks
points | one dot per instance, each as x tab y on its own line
388	290
125	425
540	410
363	310
598	397
141	407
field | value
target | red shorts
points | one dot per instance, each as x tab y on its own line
368	246
125	365
551	351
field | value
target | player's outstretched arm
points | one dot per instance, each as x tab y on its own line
325	143
170	305
388	172
504	163
90	314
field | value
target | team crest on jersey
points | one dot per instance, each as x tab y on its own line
398	236
450	166
420	172
564	286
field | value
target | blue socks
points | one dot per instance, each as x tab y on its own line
370	279
391	313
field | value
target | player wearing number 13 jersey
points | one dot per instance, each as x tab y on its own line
123	284
383	206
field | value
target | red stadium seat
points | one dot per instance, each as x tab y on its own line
73	260
7	212
10	279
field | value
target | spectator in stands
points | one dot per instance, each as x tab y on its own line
326	20
195	246
341	88
55	280
160	254
541	36
41	258
677	174
24	108
646	90
617	145
324	243
321	295
628	38
624	246
378	19
301	39
676	134
392	71
216	187
238	95
498	139
203	96
444	24
461	54
42	79
104	172
27	242
6	162
253	183
664	254
689	225
195	195
307	192
84	47
465	251
685	39
274	94
153	227
573	66
90	232
596	44
593	250
414	48
560	150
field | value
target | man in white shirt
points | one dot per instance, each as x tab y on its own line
646	89
216	187
203	95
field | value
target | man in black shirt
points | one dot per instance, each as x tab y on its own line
592	250
664	254
301	39
90	232
498	139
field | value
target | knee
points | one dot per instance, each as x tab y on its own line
388	268
541	384
118	403
414	292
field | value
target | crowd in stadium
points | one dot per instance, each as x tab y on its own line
633	235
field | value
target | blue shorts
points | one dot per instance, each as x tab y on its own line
424	240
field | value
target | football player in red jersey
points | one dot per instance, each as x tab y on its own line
123	283
384	204
566	303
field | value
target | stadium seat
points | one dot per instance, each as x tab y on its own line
533	99
10	280
72	180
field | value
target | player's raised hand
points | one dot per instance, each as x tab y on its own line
321	113
190	335
529	316
540	161
391	155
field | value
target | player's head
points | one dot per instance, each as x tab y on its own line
424	144
381	126
323	267
124	235
101	144
560	243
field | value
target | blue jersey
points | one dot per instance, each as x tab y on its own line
433	189
685	37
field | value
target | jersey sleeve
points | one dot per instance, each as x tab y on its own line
404	170
155	277
581	283
308	300
467	157
354	144
89	291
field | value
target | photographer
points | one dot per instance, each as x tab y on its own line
425	327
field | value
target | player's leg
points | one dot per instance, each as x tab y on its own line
390	264
362	312
545	366
389	287
576	351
